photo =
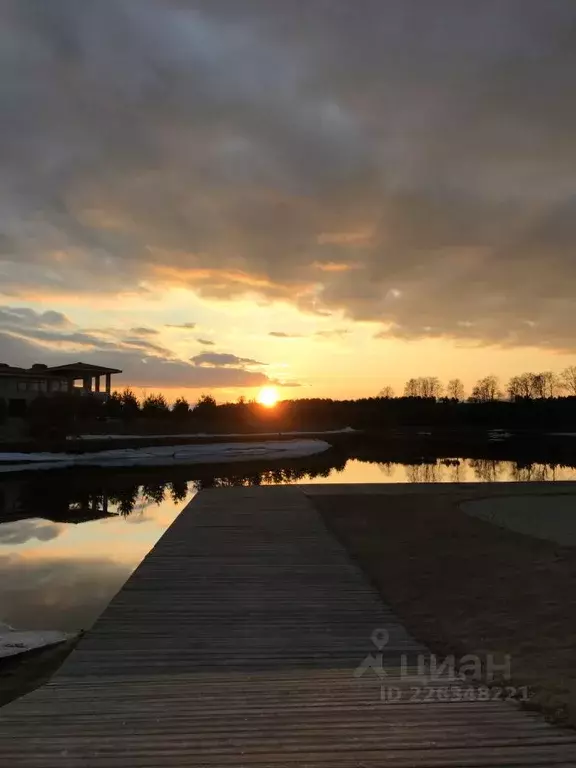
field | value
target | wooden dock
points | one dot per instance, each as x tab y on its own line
235	643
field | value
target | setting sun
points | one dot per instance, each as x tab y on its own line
268	397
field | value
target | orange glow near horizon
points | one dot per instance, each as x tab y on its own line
268	397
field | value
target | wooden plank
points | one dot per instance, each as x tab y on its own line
235	643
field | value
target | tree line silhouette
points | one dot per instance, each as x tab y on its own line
529	386
528	400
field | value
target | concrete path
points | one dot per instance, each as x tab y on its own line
236	643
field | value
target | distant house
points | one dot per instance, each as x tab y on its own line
19	386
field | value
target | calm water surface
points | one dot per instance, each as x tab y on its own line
68	542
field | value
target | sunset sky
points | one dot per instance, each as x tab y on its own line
327	196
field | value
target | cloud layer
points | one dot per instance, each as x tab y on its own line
223	359
27	337
408	163
25	530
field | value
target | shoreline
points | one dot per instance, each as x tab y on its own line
23	674
162	456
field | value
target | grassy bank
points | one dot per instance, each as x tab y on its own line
464	586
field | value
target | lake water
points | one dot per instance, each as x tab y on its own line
68	542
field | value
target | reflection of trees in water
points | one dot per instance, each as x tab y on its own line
491	471
430	472
56	501
154	492
84	498
178	490
126	499
452	470
488	470
81	498
276	476
130	498
423	473
533	473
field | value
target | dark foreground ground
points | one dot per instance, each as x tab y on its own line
23	674
459	584
464	586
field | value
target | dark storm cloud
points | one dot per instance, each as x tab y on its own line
405	162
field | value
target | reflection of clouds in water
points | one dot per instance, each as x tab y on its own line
23	530
66	584
65	576
57	594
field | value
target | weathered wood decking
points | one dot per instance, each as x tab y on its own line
235	643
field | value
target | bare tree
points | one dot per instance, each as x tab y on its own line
412	388
545	385
534	385
431	386
386	392
521	386
486	390
425	386
568	378
455	389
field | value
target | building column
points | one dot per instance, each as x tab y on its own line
97	384
87	384
70	386
108	383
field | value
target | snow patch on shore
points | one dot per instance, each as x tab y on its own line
166	455
192	435
14	642
495	435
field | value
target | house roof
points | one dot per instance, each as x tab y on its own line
73	369
10	370
82	368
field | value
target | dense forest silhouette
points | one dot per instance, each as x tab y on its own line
528	401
